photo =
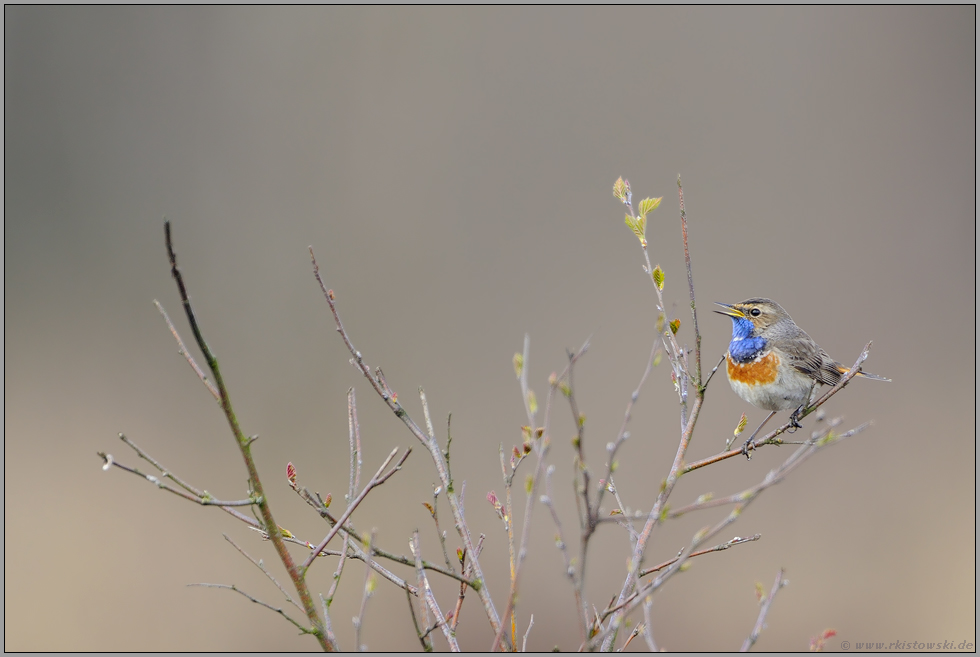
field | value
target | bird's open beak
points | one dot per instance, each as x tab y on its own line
731	312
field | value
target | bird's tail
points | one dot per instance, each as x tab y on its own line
862	373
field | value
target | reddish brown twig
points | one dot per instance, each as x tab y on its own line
738	540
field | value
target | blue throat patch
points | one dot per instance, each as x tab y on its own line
744	347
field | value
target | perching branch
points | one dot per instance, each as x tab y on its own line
772	438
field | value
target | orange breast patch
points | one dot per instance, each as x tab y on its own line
759	371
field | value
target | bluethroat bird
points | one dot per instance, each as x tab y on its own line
772	362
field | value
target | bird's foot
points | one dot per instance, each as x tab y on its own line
794	420
747	449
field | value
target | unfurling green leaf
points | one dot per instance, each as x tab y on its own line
675	325
741	425
620	189
532	402
658	277
648	205
518	364
657	359
638	226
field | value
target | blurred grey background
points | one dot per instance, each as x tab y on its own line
453	169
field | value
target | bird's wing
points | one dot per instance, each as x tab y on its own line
807	357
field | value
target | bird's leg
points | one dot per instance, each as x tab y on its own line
748	443
794	417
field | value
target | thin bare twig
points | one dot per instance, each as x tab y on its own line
423	637
434	510
624	519
653	518
357	553
690	283
530	624
541	449
203	498
182	350
439	532
429	598
278	610
509	526
258	564
354	436
366	595
546	499
244	445
636	631
463	585
349	529
327	623
623	435
713	370
766	605
647	625
738	540
376	481
438	458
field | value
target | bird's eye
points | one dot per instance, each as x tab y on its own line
755	312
